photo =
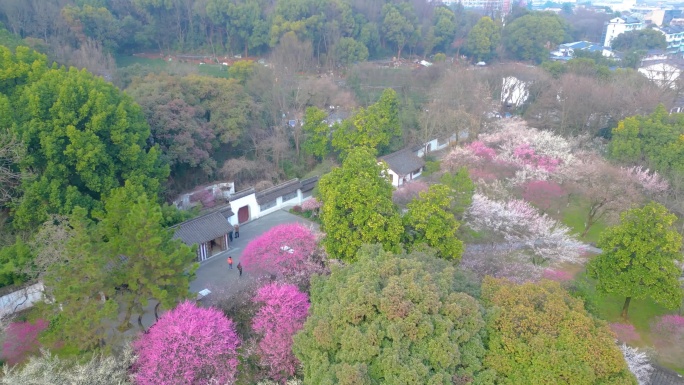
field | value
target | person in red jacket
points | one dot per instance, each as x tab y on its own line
230	263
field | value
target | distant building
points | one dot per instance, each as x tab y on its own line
567	51
503	6
403	165
664	74
674	36
618	26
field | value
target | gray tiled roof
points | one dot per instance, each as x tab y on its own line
242	193
202	229
271	194
309	183
403	162
662	376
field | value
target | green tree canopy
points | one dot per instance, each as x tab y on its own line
640	258
430	221
350	51
642	39
317	130
120	262
372	127
461	190
538	333
530	37
83	137
656	139
357	206
483	39
390	319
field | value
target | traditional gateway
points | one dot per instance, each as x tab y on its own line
213	232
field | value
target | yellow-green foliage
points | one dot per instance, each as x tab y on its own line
539	334
390	319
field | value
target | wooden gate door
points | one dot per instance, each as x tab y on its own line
243	214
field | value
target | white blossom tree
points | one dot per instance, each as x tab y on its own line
638	363
522	225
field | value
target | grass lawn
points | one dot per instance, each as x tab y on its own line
213	70
574	216
609	307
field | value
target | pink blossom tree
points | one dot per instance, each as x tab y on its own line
188	345
668	336
285	250
21	339
282	315
405	194
311	204
625	332
650	182
557	275
542	193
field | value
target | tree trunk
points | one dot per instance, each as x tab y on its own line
156	311
140	323
625	307
126	324
246	48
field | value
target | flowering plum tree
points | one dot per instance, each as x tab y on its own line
652	183
625	332
21	339
408	192
638	363
557	275
522	225
279	319
542	193
188	345
312	204
668	336
283	250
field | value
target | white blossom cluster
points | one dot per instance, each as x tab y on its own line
638	363
520	223
653	182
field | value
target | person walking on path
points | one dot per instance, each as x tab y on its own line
230	263
237	231
239	266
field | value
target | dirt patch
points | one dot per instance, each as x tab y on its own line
194	59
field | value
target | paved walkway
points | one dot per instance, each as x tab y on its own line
213	274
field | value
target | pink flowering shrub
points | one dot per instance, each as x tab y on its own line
529	157
21	340
625	332
311	204
557	275
481	150
205	197
652	183
405	194
188	345
282	315
668	336
542	193
282	250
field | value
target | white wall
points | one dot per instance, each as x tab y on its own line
248	200
21	299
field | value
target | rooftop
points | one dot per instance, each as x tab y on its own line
202	229
403	162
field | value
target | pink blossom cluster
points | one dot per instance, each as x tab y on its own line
188	345
625	332
481	150
653	183
557	275
522	225
529	157
669	326
285	250
311	204
22	339
408	192
282	315
205	196
542	193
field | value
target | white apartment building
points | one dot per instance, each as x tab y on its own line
618	26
